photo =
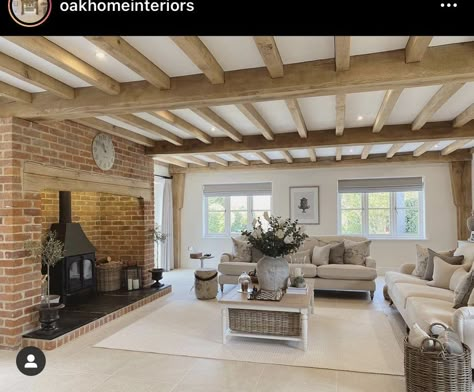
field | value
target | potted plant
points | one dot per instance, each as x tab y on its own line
50	251
157	273
275	237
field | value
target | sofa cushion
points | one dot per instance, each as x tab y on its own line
400	292
463	291
446	256
426	311
336	254
465	249
308	270
356	252
300	257
442	272
242	250
236	267
392	277
421	261
321	254
346	272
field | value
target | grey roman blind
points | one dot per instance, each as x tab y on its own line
250	189
371	185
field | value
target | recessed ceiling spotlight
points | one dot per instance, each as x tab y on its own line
100	55
213	129
351	150
436	145
359	118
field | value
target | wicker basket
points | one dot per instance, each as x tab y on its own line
108	277
265	322
437	371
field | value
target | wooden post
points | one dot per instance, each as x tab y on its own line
461	185
177	187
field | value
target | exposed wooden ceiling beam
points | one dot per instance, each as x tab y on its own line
319	139
342	50
394	149
312	154
372	72
178	122
200	55
122	51
366	151
239	158
389	101
270	55
264	158
338	153
111	129
298	118
435	103
287	156
424	148
340	113
464	117
191	159
454	146
140	123
53	53
416	48
217	121
249	111
15	93
172	161
37	78
348	161
218	159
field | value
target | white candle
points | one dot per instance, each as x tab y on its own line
297	271
136	284
130	284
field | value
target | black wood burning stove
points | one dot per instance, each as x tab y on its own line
74	277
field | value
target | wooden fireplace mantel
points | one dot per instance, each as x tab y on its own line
38	177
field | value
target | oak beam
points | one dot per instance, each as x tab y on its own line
371	72
318	139
312	154
177	191
239	158
461	185
366	151
298	118
218	159
287	156
15	93
270	55
144	125
264	158
342	50
416	48
435	103
217	121
454	146
464	117
171	161
249	111
424	148
338	153
200	55
340	113
389	101
115	130
191	159
35	77
125	53
394	149
178	122
53	53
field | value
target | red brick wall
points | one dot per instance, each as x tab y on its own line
65	145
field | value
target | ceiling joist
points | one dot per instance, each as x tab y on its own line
424	148
416	48
342	50
15	93
389	101
287	156
196	161
172	161
270	55
338	153
217	159
394	149
312	154
464	117
340	114
263	157
454	146
239	158
218	122
298	119
366	151
249	111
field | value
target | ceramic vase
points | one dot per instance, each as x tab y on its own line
272	273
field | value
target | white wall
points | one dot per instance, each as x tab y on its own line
440	210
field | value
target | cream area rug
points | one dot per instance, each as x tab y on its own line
352	336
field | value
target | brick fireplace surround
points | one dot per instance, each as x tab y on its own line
24	214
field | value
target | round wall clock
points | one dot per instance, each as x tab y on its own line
103	151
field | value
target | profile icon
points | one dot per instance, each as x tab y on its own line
29	13
30	361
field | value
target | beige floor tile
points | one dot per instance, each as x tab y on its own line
364	382
126	384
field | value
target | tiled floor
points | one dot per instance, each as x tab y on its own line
79	367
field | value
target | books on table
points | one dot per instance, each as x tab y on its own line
297	290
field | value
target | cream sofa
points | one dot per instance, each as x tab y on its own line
326	277
422	304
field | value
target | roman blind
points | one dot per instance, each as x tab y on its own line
249	189
371	185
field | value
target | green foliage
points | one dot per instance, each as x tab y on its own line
158	235
277	238
238	221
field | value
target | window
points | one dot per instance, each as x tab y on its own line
382	208
231	208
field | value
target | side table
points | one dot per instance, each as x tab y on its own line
200	256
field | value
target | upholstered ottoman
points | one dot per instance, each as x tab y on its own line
205	283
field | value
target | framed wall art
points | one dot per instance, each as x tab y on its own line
304	204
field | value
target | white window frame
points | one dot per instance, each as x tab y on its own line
393	219
227	233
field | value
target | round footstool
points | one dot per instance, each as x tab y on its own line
205	283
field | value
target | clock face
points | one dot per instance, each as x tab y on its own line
103	151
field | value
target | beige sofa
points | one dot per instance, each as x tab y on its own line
420	303
326	277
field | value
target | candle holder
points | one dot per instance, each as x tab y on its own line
131	278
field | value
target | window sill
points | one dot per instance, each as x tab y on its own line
398	239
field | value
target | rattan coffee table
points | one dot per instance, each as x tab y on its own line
283	320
